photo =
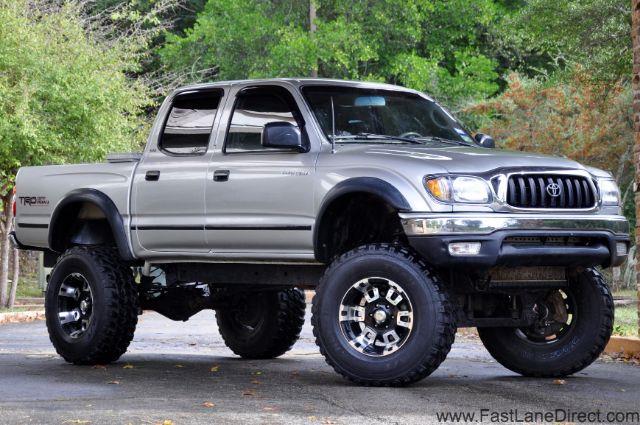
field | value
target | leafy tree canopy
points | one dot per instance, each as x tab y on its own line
594	34
435	46
64	97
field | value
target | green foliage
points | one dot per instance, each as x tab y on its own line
587	121
64	97
592	33
427	45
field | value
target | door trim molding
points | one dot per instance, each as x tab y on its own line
218	227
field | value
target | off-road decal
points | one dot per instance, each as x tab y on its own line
33	201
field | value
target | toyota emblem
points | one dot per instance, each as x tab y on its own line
553	189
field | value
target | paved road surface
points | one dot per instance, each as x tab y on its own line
175	367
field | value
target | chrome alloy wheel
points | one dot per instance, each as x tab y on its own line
75	305
376	316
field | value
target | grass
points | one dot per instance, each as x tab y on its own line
626	317
17	309
626	293
28	288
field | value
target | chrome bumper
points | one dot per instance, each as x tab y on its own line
421	224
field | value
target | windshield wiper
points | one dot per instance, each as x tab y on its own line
447	141
371	136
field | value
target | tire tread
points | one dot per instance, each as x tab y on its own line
121	303
290	311
604	333
447	325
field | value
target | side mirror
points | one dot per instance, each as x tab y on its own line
485	140
282	135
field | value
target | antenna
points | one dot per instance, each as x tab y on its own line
333	127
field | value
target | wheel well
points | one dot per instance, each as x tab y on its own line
88	217
355	219
80	223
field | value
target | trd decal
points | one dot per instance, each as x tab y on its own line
32	201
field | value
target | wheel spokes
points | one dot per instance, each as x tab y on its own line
393	296
75	304
375	316
69	291
352	313
404	319
69	316
390	341
365	339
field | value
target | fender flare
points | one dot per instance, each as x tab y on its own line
370	185
106	205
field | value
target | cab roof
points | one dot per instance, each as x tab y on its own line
297	82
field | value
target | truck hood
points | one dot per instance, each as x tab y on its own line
457	159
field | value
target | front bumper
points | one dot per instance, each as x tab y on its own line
520	239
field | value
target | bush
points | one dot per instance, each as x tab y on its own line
576	117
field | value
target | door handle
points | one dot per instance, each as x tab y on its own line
221	175
152	175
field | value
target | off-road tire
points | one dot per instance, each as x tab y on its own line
280	317
434	325
575	351
115	304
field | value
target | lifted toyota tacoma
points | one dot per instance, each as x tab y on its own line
405	225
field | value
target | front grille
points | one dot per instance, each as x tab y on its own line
550	191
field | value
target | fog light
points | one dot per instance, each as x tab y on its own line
621	248
464	248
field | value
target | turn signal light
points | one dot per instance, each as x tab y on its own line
439	187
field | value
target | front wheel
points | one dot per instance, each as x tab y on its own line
381	317
573	328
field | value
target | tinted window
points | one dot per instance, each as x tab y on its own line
361	111
188	126
253	109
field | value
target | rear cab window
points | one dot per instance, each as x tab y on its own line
188	125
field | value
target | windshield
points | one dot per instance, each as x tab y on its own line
363	115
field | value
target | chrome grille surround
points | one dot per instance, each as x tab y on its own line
505	184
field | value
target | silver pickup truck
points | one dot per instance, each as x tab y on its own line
405	224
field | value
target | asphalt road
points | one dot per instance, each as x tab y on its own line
183	373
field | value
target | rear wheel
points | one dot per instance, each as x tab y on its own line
381	317
262	325
91	305
573	327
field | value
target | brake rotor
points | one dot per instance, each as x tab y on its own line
559	306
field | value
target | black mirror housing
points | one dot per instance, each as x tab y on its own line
484	140
282	135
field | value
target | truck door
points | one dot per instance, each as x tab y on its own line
168	188
260	200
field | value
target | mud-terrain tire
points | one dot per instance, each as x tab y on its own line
344	322
576	349
107	328
262	324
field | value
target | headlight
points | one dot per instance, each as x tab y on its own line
609	192
462	189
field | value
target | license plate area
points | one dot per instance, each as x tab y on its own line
528	275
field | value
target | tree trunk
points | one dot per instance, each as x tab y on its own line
14	278
7	215
635	36
616	279
312	29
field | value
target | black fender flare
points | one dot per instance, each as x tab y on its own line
370	185
106	205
